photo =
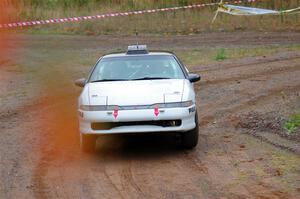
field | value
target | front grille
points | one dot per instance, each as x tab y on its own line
111	125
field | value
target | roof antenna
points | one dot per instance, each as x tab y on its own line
137	35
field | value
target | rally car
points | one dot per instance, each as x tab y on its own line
138	92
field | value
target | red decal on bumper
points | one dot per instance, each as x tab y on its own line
156	112
116	112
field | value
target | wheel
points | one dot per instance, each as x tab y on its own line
190	138
87	143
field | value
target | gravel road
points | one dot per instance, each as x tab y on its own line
39	144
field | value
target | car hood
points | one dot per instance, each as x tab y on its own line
143	92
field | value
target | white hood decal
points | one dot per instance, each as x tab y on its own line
144	92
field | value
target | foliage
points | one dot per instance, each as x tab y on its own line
180	22
221	55
292	124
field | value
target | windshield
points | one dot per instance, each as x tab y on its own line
137	68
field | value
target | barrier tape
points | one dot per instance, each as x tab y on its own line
85	18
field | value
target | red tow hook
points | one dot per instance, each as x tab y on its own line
156	111
116	112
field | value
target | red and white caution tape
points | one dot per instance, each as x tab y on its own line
119	14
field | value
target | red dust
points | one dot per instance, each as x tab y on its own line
5	12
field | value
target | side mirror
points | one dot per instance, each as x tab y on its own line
194	77
80	82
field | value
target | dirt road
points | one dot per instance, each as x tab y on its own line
39	148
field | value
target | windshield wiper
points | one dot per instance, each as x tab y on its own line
109	80
144	78
151	78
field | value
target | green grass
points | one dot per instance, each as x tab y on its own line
181	22
292	124
221	55
206	55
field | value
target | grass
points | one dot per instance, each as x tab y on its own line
197	56
205	55
292	124
221	55
181	22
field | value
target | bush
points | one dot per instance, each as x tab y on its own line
292	124
221	55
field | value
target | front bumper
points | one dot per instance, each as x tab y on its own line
186	115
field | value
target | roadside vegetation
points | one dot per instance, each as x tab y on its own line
191	21
221	55
202	56
292	124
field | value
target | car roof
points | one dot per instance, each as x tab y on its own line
130	55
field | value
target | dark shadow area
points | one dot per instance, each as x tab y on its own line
149	145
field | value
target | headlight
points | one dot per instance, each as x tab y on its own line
174	104
137	107
98	108
187	103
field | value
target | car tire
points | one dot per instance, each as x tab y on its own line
87	143
190	138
